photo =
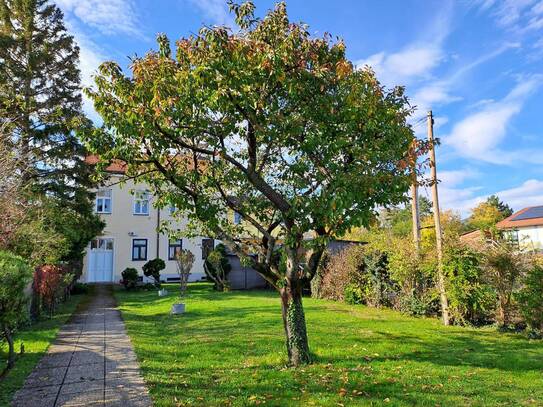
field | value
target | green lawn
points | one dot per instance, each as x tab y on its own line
228	350
36	339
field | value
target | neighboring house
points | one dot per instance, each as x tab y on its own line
130	237
525	227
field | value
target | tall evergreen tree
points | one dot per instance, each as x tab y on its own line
40	98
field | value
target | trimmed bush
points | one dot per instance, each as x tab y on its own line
153	268
15	275
129	278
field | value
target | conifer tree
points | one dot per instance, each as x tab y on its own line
40	99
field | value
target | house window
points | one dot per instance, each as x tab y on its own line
174	248
139	249
207	246
141	203
102	244
103	201
237	218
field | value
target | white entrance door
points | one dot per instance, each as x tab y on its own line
101	261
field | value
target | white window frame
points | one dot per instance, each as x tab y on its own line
139	199
101	196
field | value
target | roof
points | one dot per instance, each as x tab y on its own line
530	216
114	167
117	166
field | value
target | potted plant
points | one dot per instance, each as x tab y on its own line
184	261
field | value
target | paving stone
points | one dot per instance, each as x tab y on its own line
85	357
73	371
82	387
37	392
50	360
125	398
88	398
45	377
33	400
85	373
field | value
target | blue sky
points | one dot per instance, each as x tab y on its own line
477	64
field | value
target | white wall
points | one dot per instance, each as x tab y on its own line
123	226
531	237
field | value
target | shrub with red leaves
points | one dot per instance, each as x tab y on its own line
51	282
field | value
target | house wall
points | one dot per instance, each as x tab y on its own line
531	237
123	226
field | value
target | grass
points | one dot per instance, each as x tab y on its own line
228	349
36	339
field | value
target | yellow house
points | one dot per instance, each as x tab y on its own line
130	237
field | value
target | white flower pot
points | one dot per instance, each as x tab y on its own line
162	292
178	309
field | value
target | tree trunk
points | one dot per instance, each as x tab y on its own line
11	352
294	324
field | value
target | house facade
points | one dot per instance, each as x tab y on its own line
525	227
130	237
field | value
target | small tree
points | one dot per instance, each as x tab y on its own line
153	268
217	267
184	260
15	275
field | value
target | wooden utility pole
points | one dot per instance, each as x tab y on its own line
437	220
415	200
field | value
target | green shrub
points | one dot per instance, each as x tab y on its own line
471	300
15	275
420	304
378	287
353	294
129	278
153	268
530	299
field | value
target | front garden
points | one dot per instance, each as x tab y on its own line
228	349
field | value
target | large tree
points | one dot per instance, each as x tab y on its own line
40	107
269	122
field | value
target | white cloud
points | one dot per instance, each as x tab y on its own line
463	200
518	16
529	193
216	10
440	92
108	16
455	178
401	68
480	134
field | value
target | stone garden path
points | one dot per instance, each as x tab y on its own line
91	363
